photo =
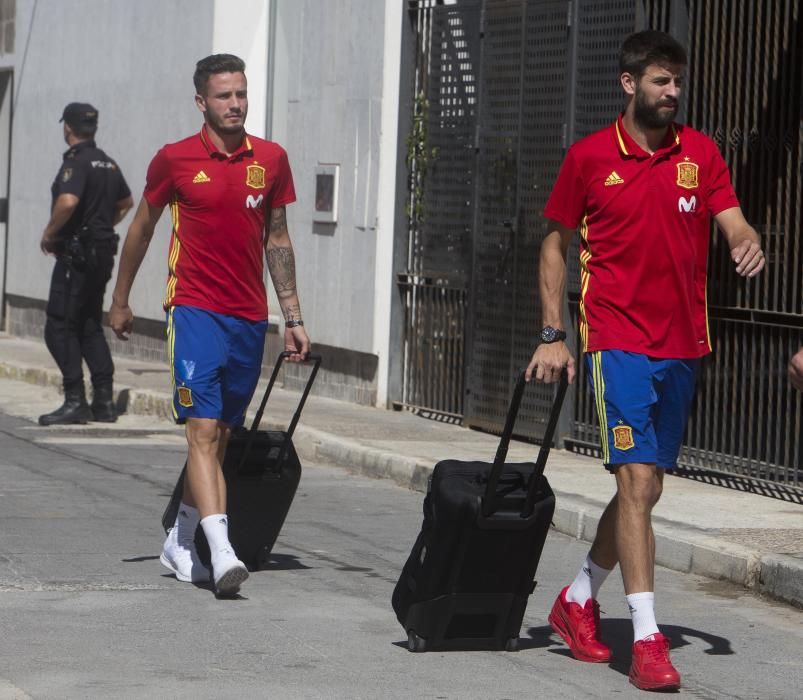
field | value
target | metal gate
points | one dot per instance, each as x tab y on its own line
520	146
441	161
505	86
745	90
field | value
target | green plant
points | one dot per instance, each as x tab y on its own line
419	158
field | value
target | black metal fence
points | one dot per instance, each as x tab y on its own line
505	86
434	345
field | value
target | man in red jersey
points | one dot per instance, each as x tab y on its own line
227	193
641	192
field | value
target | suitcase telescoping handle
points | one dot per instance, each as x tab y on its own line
504	443
252	432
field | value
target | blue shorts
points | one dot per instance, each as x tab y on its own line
215	363
643	405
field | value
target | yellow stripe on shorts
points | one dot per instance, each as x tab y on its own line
599	396
171	352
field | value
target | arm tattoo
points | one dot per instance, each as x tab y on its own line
292	312
282	267
282	264
278	220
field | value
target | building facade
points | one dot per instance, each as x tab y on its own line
330	98
424	137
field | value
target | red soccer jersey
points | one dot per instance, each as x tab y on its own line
644	223
218	205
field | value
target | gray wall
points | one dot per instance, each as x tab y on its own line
134	60
327	109
131	60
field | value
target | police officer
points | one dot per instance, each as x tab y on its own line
90	196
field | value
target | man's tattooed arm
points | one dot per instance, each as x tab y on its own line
282	264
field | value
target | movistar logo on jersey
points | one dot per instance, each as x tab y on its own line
687	205
201	177
613	179
252	202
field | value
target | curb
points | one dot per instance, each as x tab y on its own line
678	546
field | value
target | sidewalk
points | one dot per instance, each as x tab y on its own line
750	540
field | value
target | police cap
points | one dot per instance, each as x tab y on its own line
80	114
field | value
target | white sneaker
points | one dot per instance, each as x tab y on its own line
230	572
180	556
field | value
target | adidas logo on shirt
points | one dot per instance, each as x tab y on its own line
613	179
201	177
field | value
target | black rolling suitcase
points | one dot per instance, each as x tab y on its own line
262	471
472	568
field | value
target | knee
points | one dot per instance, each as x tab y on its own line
639	488
203	434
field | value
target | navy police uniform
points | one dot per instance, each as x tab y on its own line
84	261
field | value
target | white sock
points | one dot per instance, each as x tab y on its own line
216	529
587	582
187	516
642	610
187	519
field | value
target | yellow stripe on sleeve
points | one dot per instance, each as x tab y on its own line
172	261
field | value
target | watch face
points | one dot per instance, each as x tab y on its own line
550	335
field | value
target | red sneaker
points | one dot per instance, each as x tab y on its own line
651	668
579	628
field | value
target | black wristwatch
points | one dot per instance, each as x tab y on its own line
549	334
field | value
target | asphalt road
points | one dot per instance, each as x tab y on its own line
87	611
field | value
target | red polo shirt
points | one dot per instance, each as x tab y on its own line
644	223
218	205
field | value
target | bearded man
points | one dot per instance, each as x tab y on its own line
641	192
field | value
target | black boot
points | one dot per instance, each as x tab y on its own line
74	410
103	408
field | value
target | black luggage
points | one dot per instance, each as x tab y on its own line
262	471
472	568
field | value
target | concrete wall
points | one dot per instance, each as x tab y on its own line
327	109
241	27
134	62
319	73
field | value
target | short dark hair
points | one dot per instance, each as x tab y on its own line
216	63
647	48
82	118
83	131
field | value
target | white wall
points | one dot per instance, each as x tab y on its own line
384	282
327	108
333	99
240	27
133	61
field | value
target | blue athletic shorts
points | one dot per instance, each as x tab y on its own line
643	405
215	362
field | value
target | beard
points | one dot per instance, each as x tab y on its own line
649	116
222	127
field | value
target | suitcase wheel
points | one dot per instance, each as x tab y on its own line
415	643
512	644
263	559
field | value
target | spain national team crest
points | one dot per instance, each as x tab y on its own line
687	175
185	396
623	437
255	177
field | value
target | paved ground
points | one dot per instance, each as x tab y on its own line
702	528
87	611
